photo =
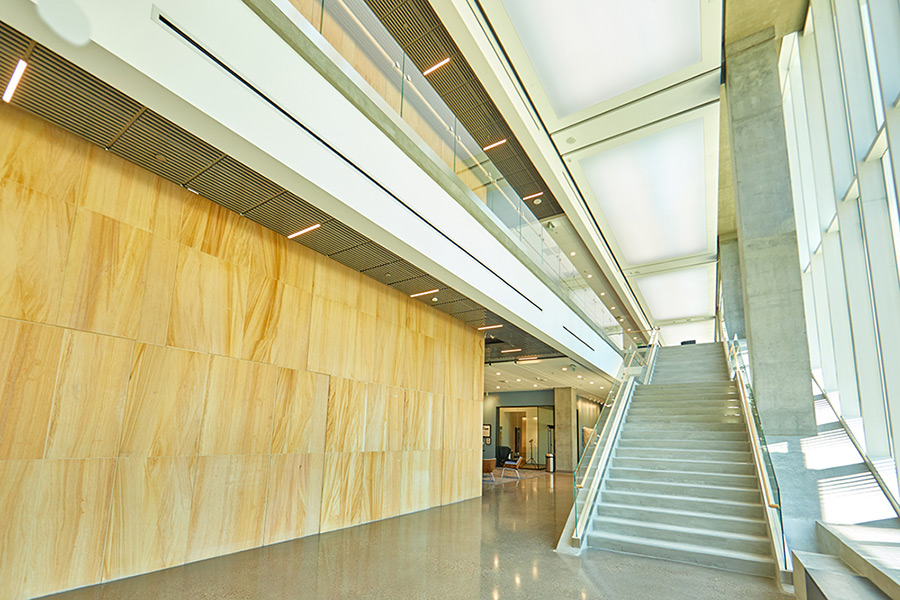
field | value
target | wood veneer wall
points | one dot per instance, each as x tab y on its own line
177	382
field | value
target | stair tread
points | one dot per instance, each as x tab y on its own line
681	513
682	483
679	529
717	501
688	461
684	547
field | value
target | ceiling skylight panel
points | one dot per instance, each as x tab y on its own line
652	192
588	51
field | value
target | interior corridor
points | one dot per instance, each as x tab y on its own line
498	546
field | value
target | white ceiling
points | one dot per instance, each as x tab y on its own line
629	92
546	374
630	44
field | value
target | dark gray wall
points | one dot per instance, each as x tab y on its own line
500	399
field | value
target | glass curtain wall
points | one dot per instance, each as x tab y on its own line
840	81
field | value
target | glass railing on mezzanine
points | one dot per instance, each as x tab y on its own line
637	367
357	34
739	367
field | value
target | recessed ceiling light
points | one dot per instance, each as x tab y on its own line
621	319
572	253
535	385
434	299
612	308
592	383
565	368
602	293
533	196
490	327
510	350
537	201
589	276
436	66
494	145
518	380
498	387
425	293
302	231
498	372
14	80
578	376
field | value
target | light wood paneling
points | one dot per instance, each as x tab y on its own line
69	533
294	496
90	396
106	258
215	230
28	366
279	258
180	383
40	156
151	512
208	304
276	323
34	240
121	190
20	482
301	407
164	408
237	414
345	426
228	505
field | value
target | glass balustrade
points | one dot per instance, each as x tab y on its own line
352	29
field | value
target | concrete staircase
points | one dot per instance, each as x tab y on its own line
681	484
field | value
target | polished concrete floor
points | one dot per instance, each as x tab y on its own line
498	546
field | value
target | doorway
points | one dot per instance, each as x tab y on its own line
527	431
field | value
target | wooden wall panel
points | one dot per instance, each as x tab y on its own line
28	366
90	396
34	241
70	525
180	383
151	513
164	407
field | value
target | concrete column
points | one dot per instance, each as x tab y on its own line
732	288
565	415
767	238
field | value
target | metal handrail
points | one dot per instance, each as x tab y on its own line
754	436
869	464
610	429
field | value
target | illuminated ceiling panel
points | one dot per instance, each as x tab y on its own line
678	294
585	51
702	332
652	192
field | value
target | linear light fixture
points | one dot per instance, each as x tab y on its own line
435	67
302	231
533	196
425	293
494	145
14	81
510	350
528	361
490	327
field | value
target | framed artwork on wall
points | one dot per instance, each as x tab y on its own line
487	441
486	430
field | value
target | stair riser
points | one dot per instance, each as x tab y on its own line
762	567
670	418
672	426
692	478
688	411
710	522
676	454
699	505
654	443
684	435
730	468
708	541
664	488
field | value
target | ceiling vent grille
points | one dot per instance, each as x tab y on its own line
56	90
366	256
234	185
159	145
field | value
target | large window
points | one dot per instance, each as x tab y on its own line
840	84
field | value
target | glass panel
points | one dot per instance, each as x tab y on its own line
870	60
